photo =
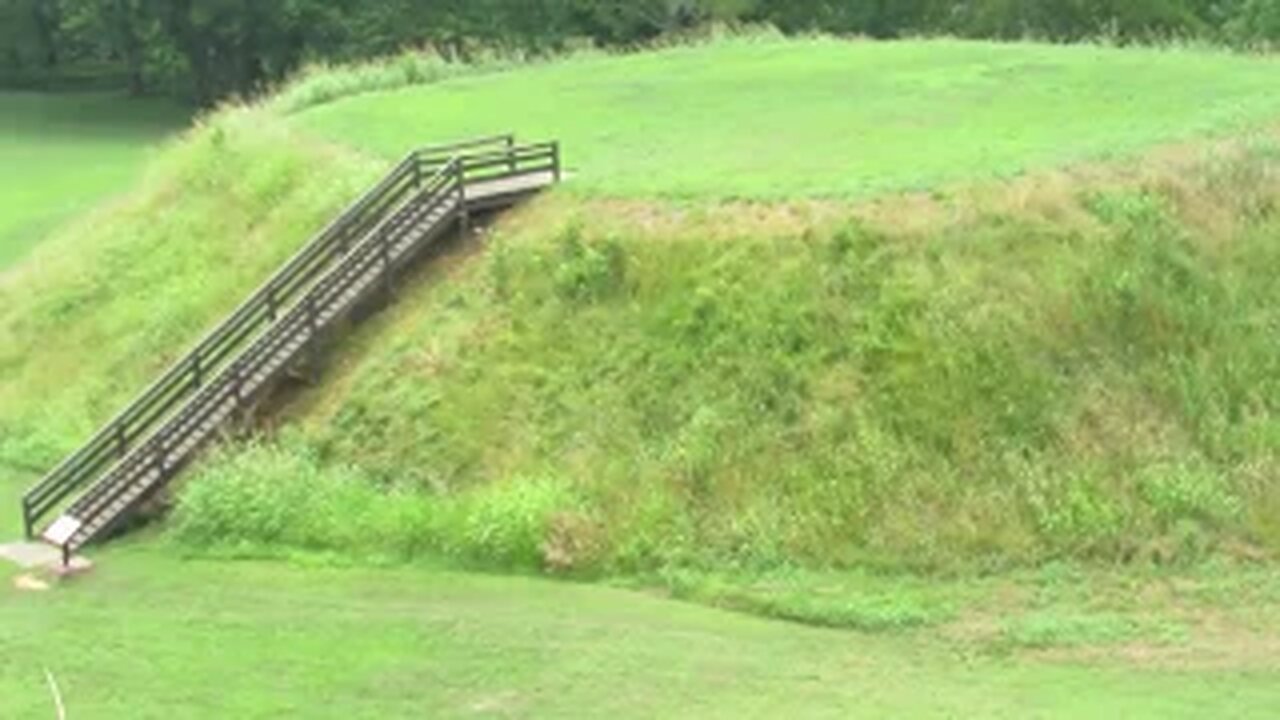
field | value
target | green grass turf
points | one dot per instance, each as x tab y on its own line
12	484
148	635
777	118
137	639
61	153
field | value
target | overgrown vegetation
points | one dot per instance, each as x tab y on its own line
321	84
1095	379
264	500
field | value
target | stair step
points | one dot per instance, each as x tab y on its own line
348	268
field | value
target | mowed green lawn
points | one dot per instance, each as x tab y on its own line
150	636
777	118
62	153
13	483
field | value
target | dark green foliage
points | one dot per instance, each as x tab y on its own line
209	49
237	46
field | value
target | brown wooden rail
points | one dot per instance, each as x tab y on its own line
356	254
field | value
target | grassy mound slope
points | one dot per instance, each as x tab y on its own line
1070	368
773	118
100	308
1083	367
60	153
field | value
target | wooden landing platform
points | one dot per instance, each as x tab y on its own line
494	194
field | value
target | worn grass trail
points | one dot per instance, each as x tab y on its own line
61	153
137	639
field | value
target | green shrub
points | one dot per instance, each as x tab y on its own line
279	497
589	272
1189	491
507	523
320	84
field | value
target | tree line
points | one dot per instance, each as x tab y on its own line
209	49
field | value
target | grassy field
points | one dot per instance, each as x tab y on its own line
1011	443
63	153
264	640
768	118
915	381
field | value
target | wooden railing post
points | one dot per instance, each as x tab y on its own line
238	384
313	315
387	278
460	189
555	161
313	343
158	458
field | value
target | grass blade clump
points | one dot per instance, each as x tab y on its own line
264	498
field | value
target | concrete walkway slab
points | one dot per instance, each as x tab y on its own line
29	555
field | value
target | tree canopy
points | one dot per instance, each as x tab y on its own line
209	49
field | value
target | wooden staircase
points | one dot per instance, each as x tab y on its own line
431	192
